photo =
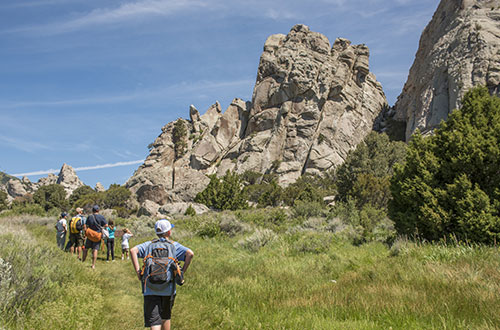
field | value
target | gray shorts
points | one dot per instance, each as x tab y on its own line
89	245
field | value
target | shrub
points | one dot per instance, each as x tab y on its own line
78	193
308	209
179	135
364	176
50	197
308	188
450	181
30	209
362	225
310	242
232	227
3	200
190	211
116	196
209	228
225	193
258	239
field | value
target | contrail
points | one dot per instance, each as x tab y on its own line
83	168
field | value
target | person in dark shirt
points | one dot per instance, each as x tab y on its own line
97	223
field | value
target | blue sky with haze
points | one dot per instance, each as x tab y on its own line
90	83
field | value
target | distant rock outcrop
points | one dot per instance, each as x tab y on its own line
99	187
459	49
68	179
312	103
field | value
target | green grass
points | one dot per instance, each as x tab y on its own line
299	280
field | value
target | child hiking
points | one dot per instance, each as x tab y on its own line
110	242
125	245
160	274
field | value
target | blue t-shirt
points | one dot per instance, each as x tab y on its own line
91	222
111	232
180	254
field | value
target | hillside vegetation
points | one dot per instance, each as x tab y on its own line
251	271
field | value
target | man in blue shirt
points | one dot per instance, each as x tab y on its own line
158	304
97	223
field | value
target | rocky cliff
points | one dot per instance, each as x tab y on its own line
311	104
459	49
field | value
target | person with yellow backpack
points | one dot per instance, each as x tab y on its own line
76	235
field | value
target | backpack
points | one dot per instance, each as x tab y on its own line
76	225
160	268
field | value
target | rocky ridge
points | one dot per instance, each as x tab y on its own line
312	103
459	49
67	178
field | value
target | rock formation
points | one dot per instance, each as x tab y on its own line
459	49
99	187
68	179
311	104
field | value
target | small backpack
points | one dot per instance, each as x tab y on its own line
160	268
76	225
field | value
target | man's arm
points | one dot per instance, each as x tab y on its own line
135	261
187	260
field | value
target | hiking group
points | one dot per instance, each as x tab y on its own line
160	272
89	233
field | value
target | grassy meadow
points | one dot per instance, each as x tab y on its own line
252	270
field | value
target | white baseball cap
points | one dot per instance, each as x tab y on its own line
162	226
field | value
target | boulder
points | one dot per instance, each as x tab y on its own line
180	208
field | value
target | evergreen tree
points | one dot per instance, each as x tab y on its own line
364	176
225	193
450	183
50	197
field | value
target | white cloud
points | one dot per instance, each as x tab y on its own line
84	168
23	145
107	16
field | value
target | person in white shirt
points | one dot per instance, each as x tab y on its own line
125	246
61	230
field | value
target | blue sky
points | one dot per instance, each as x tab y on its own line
90	83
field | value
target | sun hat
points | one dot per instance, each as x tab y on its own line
162	226
79	209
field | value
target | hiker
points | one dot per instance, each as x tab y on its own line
94	227
125	245
61	230
110	242
158	287
76	235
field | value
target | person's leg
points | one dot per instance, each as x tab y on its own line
86	250
108	247
112	249
165	325
94	257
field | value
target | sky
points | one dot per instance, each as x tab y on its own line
91	83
